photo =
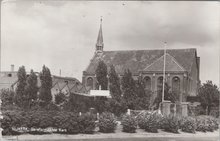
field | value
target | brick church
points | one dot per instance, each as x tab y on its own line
181	67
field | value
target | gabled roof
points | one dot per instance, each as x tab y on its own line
170	65
138	60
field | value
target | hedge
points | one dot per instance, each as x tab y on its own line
67	122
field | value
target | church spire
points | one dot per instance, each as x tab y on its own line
99	43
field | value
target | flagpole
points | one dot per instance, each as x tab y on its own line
164	70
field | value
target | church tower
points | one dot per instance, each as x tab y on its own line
99	43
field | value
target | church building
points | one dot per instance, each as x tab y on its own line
181	67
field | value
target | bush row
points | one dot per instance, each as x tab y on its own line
65	122
72	123
151	122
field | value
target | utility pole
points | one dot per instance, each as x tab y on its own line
164	70
0	36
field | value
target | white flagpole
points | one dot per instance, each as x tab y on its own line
164	70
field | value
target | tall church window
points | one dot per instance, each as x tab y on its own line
160	83
176	84
89	82
147	83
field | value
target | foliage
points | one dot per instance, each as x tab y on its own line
21	98
143	96
188	124
128	89
31	88
60	98
149	122
87	123
78	103
67	121
71	123
129	123
116	107
209	95
100	104
101	75
46	85
107	123
171	124
7	97
114	84
206	123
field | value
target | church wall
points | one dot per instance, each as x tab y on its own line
194	79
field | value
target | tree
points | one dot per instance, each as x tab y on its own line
7	97
128	89
60	98
209	95
114	84
21	97
101	75
46	85
143	96
31	88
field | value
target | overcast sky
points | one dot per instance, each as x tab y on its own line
62	34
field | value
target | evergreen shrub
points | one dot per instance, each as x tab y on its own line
188	124
171	124
129	124
87	123
107	123
206	123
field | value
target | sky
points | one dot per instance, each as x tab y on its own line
62	34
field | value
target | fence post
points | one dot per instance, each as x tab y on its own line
129	112
98	116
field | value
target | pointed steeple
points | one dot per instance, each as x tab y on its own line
99	43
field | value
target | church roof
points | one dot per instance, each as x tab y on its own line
171	65
140	60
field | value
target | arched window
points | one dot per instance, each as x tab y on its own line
147	83
176	84
89	82
160	83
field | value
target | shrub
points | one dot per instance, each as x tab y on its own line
171	124
46	120
107	123
141	119
11	119
129	124
188	124
151	123
71	123
206	123
87	123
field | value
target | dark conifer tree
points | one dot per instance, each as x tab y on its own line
114	84
46	85
128	89
101	75
21	97
31	88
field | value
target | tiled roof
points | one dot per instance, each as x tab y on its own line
138	60
171	65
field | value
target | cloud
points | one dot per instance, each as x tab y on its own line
62	34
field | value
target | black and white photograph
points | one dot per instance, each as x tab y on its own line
109	70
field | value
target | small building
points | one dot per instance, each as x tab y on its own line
8	80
